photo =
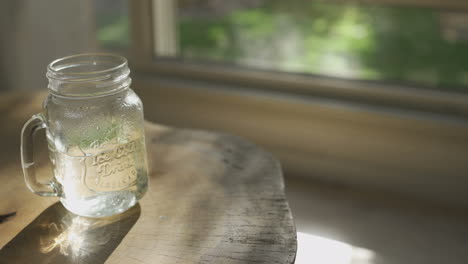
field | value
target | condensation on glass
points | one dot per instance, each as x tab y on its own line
95	135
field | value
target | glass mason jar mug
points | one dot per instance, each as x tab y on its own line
95	135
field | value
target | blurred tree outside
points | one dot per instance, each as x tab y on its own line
112	24
390	43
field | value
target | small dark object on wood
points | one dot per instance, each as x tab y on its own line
4	218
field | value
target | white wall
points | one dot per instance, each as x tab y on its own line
33	33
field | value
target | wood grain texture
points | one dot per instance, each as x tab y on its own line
213	198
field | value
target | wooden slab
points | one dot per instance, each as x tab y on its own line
213	198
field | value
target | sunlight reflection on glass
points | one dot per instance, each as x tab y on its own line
316	249
74	237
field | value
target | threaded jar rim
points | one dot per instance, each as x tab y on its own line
88	74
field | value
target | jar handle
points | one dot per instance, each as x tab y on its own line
34	124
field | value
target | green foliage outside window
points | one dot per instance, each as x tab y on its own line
399	44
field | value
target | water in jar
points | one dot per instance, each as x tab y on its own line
103	175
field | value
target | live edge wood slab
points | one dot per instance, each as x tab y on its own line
213	198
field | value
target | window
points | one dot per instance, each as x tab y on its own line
112	24
356	93
411	45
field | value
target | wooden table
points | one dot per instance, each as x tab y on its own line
213	198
